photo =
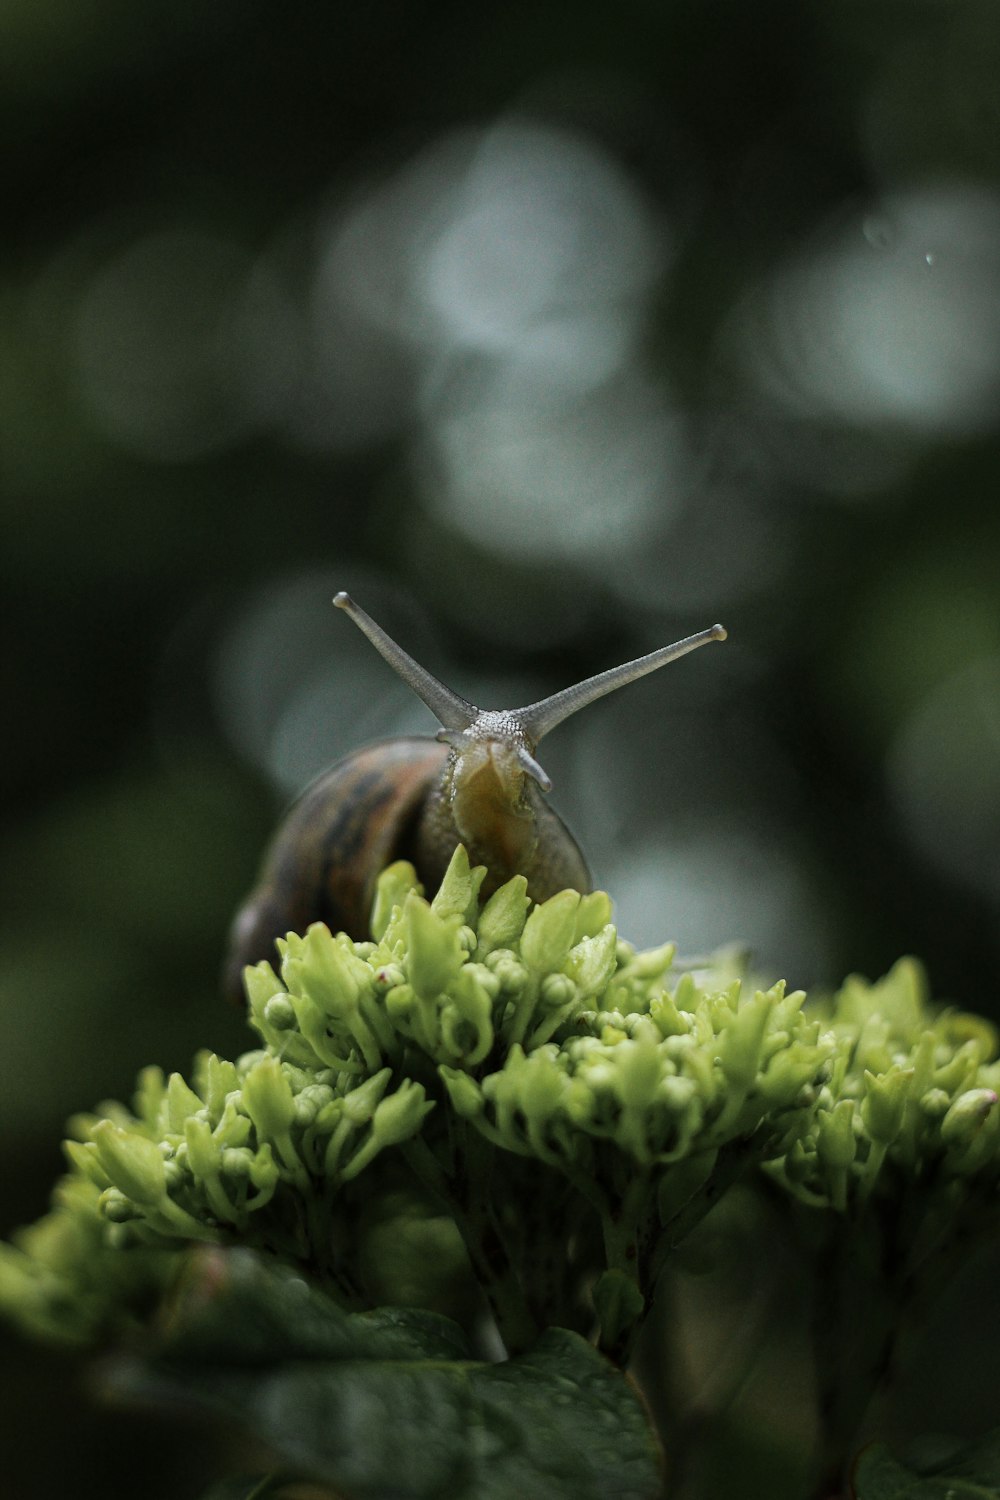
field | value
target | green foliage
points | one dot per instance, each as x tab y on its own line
252	1340
971	1474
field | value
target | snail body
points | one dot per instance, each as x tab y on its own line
477	783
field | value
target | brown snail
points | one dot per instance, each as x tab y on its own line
477	783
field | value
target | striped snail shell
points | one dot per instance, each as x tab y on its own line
477	783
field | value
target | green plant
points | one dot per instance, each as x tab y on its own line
495	1124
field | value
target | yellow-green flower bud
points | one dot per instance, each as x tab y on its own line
501	920
313	1024
233	1128
361	1103
484	977
309	1101
264	1174
149	1096
261	984
387	976
800	1163
788	1072
204	1153
549	932
215	1079
653	963
959	1072
742	1041
884	1102
637	1073
435	955
467	1020
677	1093
557	990
935	1104
592	915
396	1119
175	1173
181	1102
400	1003
509	970
458	893
464	1093
268	1100
279	1013
836	1143
669	1020
591	962
116	1208
967	1116
541	1086
579	1102
132	1162
236	1162
394	885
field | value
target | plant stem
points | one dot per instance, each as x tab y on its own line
855	1323
486	1251
730	1164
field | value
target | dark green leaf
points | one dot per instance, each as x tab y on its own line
971	1474
265	1487
389	1405
244	1487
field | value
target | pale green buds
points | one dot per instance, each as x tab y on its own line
400	1115
268	1100
458	893
502	919
514	1049
884	1102
910	1099
397	1117
967	1116
742	1042
550	932
591	963
434	950
836	1144
394	885
360	1104
132	1163
557	990
465	1095
279	1013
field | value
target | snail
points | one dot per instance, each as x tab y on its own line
476	783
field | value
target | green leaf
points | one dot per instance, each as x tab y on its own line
390	1405
277	1486
973	1473
243	1487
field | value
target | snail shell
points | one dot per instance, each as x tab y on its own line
477	783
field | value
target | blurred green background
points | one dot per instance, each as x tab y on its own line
553	333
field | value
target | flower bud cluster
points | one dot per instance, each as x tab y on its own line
548	1033
528	1029
914	1092
62	1279
202	1161
677	1073
443	977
